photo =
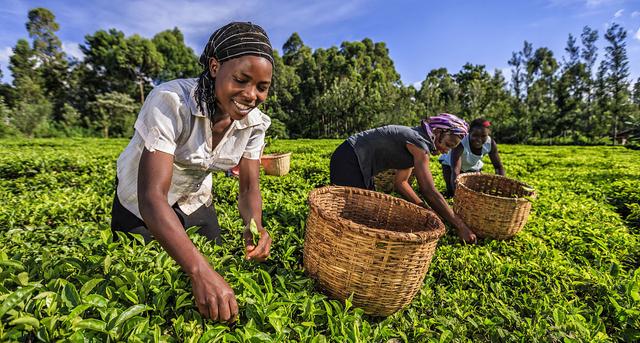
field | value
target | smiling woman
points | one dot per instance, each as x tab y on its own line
186	129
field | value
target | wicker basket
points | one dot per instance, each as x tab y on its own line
369	244
492	205
383	181
276	164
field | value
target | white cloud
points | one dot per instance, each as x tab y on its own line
72	49
618	13
197	19
5	54
596	3
417	85
635	14
637	35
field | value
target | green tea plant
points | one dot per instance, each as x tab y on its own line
570	276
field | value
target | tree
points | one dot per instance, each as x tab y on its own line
31	109
180	60
439	93
571	90
540	95
114	114
47	49
143	62
589	55
617	65
119	64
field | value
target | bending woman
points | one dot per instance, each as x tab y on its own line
186	129
363	155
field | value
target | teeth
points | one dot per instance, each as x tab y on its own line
242	107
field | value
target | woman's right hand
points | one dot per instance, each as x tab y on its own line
214	297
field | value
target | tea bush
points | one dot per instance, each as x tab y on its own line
571	275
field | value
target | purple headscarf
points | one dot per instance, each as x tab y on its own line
447	122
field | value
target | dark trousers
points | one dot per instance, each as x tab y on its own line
344	168
204	217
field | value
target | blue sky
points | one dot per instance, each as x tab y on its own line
421	35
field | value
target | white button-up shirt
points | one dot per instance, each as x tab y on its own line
171	122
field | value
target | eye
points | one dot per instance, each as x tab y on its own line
240	80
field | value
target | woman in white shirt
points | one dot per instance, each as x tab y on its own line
186	129
467	156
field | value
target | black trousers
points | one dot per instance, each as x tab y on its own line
204	217
344	168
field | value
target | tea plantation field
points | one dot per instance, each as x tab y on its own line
572	275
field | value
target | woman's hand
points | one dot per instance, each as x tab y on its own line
259	252
214	297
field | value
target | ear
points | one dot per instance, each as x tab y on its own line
214	67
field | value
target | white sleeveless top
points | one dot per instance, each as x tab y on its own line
470	161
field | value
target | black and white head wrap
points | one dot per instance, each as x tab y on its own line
230	41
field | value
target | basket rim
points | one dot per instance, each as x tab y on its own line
420	236
277	155
533	195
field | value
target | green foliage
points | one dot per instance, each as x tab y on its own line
277	129
180	60
571	275
115	114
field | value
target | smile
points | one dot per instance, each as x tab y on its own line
242	107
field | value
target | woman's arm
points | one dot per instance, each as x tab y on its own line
214	298
250	206
402	185
433	197
456	165
495	159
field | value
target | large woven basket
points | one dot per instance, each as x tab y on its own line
369	244
492	205
276	164
383	181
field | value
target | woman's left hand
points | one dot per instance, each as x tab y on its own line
259	252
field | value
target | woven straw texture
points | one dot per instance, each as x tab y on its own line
492	205
369	244
276	164
383	181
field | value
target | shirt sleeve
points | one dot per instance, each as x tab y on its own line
253	150
159	122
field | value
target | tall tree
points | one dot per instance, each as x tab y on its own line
120	64
571	90
47	49
32	110
180	60
617	73
589	55
542	69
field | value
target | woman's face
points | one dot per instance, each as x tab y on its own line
478	136
241	84
445	141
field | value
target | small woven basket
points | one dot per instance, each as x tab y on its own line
369	244
492	205
383	181
276	164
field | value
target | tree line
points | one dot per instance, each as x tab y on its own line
326	93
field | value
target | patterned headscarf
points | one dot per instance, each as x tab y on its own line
447	122
230	41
